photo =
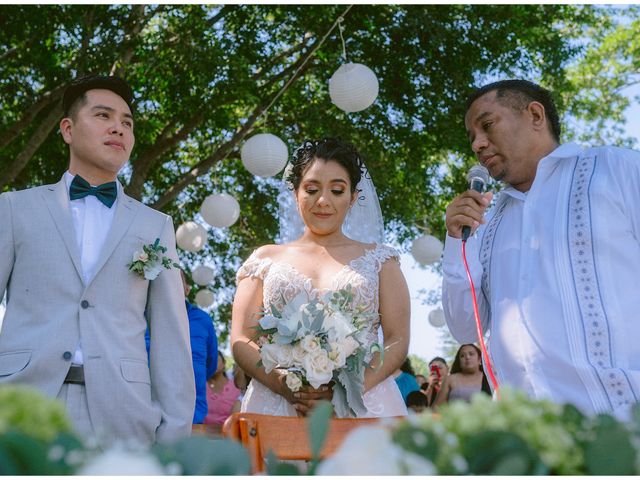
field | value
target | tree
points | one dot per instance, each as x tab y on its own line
207	77
610	65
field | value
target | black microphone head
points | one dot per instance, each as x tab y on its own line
479	172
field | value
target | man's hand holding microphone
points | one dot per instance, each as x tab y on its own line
465	213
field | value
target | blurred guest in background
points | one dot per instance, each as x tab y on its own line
467	377
405	379
222	395
416	402
438	370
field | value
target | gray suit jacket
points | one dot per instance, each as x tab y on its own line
49	308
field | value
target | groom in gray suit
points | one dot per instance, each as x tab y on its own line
76	315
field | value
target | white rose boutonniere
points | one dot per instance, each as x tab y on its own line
150	261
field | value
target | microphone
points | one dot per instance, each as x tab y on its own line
478	177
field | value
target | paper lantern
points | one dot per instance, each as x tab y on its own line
220	210
264	155
202	275
426	249
436	317
353	87
204	298
191	236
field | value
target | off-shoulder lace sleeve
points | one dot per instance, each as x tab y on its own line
382	253
253	267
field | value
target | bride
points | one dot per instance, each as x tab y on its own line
323	176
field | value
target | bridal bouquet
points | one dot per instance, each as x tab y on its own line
318	341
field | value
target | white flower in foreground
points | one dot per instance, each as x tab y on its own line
369	450
118	461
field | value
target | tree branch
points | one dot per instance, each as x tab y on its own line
149	157
36	139
137	20
224	150
47	98
273	60
221	153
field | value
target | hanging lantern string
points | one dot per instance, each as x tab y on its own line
341	29
311	54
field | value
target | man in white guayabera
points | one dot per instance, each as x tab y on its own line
556	258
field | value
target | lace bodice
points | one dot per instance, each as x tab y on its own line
282	282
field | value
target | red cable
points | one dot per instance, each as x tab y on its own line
487	362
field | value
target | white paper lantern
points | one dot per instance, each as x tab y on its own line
220	210
436	317
264	155
202	275
353	87
426	249
204	298
191	236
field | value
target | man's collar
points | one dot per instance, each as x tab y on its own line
566	150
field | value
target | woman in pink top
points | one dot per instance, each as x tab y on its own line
222	395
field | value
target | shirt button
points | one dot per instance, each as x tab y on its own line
67	355
84	304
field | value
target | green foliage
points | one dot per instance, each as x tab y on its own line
511	436
419	365
202	75
198	455
26	410
318	430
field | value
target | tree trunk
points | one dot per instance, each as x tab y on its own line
149	157
39	136
16	129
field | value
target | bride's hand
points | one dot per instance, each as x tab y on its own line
305	399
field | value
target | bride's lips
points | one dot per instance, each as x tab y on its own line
322	215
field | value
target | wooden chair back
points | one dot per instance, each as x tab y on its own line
286	437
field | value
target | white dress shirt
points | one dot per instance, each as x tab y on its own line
92	221
556	273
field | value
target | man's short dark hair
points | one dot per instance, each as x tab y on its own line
74	95
518	94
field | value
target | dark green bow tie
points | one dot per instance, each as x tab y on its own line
106	192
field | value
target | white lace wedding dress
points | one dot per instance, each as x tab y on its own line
282	282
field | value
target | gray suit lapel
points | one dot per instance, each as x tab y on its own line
126	209
56	198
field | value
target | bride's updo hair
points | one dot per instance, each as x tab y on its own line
326	149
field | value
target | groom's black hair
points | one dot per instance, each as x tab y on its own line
326	149
74	96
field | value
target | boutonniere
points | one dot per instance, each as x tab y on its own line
150	261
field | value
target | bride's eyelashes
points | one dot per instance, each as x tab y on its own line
313	192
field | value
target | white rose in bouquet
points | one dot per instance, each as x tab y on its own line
339	351
310	343
298	353
318	368
274	355
293	381
339	325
